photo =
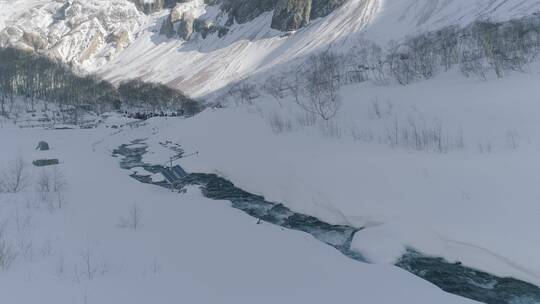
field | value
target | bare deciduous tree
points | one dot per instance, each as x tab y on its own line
321	84
7	252
133	220
243	92
275	87
50	186
15	177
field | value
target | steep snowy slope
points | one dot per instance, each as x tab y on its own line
202	65
92	33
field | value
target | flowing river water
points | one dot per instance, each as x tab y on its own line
450	277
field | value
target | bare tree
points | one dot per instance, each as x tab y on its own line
321	84
243	92
43	184
59	183
50	186
275	87
15	177
133	220
279	124
7	253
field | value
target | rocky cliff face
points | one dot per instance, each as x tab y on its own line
291	15
242	11
152	6
184	20
288	15
322	8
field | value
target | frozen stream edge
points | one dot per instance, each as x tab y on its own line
450	277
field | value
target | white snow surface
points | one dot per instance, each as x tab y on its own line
476	204
187	249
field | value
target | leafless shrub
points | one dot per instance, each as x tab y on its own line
90	269
15	177
364	135
419	135
23	222
320	83
512	138
485	147
275	86
7	255
90	265
376	108
133	220
25	248
365	62
331	129
7	252
306	119
279	124
243	92
50	186
379	110
43	184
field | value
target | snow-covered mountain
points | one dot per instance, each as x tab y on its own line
200	46
202	64
437	168
85	33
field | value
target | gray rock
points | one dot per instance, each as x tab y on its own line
182	24
185	28
42	146
322	8
291	15
242	11
34	40
156	6
167	28
147	7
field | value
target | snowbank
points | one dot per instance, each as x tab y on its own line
186	248
475	204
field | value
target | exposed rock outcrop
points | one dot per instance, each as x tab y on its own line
184	21
34	40
149	7
322	8
288	15
167	28
152	6
291	15
242	11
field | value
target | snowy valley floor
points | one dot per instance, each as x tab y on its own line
476	203
185	249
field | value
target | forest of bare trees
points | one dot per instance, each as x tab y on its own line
34	78
480	49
